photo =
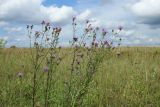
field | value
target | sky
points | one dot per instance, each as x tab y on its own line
140	18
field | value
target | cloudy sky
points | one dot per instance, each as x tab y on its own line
139	18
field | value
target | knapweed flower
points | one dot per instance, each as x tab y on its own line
111	43
120	39
106	43
75	39
120	28
86	30
20	74
87	21
78	62
47	39
84	44
46	69
57	29
36	44
27	26
104	32
96	44
43	22
46	28
37	33
47	24
74	18
31	26
97	28
92	43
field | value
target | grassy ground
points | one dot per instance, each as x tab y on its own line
131	79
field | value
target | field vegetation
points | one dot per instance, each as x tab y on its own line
82	75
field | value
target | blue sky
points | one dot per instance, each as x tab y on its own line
60	2
140	18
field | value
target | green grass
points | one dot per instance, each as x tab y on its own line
129	80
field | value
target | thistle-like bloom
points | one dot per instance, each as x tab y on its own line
47	24
120	28
96	44
74	18
46	69
106	43
37	33
31	26
75	39
104	32
97	28
43	22
20	74
27	26
47	39
87	21
57	29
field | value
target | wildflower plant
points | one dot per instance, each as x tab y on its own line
88	53
43	46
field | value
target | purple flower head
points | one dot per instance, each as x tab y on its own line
43	22
37	33
111	43
87	21
20	74
92	43
120	28
104	32
97	28
106	43
58	29
84	44
27	26
74	18
86	30
96	44
75	39
47	39
47	24
78	62
31	26
46	69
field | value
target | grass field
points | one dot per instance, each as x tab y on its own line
131	79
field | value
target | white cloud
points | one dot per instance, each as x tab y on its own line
148	11
4	38
15	13
33	11
85	15
12	29
3	23
147	8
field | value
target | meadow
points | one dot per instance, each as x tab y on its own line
128	79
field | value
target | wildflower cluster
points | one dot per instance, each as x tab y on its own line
43	45
87	52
